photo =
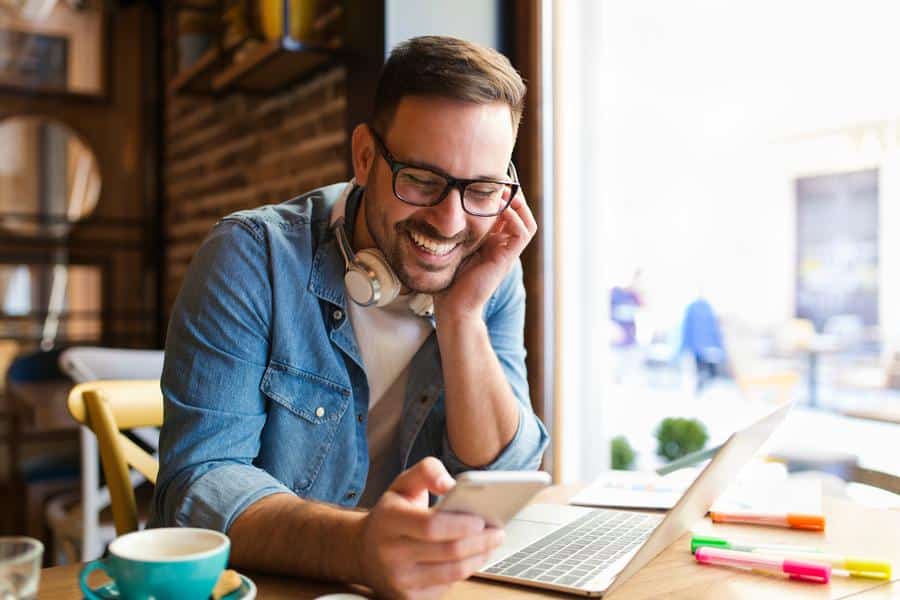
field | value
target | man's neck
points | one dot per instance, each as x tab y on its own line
362	239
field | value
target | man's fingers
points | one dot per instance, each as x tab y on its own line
428	574
518	236
455	550
427	475
521	209
429	526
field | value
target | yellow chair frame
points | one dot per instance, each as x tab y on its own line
107	408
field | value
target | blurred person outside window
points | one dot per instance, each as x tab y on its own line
624	303
701	337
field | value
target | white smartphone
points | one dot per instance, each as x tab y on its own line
495	496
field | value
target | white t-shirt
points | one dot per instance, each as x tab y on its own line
388	337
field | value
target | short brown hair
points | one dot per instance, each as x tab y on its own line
450	68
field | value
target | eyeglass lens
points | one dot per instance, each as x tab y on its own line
424	188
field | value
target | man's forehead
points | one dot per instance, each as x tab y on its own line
416	112
450	134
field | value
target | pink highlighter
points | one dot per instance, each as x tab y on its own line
795	569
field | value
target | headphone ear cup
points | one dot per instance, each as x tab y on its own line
361	286
386	282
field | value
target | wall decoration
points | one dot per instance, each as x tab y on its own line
62	51
33	60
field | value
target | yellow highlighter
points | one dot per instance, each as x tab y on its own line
852	565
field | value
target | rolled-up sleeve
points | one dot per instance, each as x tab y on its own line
216	352
505	318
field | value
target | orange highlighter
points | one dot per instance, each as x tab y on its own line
792	520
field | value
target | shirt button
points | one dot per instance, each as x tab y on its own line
320	412
351	495
338	314
359	417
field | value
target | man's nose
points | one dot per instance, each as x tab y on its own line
448	217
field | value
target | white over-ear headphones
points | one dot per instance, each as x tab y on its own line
369	278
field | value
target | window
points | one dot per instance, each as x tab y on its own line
728	175
50	305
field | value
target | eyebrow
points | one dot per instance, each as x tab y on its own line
425	165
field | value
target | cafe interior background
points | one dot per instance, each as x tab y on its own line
716	186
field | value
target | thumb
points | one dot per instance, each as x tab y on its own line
427	475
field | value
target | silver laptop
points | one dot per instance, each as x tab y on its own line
589	551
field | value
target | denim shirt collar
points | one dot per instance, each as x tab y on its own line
326	279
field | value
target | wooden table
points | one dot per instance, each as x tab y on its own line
672	574
876	412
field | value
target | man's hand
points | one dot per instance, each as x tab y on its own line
480	275
409	551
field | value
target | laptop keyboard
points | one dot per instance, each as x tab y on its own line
575	553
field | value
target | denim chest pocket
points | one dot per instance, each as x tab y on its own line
304	430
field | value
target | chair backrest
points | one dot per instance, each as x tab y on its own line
90	363
107	407
753	376
794	335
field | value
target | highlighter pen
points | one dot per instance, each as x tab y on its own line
855	566
792	520
794	569
716	542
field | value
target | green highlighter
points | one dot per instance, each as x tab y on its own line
853	565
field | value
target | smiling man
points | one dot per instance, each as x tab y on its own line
357	346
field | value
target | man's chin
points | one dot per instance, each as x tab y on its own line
428	282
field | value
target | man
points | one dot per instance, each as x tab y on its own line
287	403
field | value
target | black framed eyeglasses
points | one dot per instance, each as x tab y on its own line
424	186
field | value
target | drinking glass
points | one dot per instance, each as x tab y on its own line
20	567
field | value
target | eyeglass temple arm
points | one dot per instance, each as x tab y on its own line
513	173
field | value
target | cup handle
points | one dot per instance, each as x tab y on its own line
89	592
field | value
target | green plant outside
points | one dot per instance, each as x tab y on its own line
622	454
678	436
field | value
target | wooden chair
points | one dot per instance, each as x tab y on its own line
756	378
84	364
107	407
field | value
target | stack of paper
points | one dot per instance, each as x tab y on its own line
760	487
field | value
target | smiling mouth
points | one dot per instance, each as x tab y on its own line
430	245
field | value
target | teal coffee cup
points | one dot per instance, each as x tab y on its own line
161	564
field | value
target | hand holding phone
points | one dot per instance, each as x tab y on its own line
495	496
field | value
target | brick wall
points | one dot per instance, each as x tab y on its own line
223	154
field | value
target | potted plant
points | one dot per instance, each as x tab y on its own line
621	453
678	436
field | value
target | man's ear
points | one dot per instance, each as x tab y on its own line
363	152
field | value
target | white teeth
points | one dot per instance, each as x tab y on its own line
430	245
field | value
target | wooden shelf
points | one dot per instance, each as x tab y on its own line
203	8
271	66
198	77
207	6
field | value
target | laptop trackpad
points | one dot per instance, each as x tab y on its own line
532	523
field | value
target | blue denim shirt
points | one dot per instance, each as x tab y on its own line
264	385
